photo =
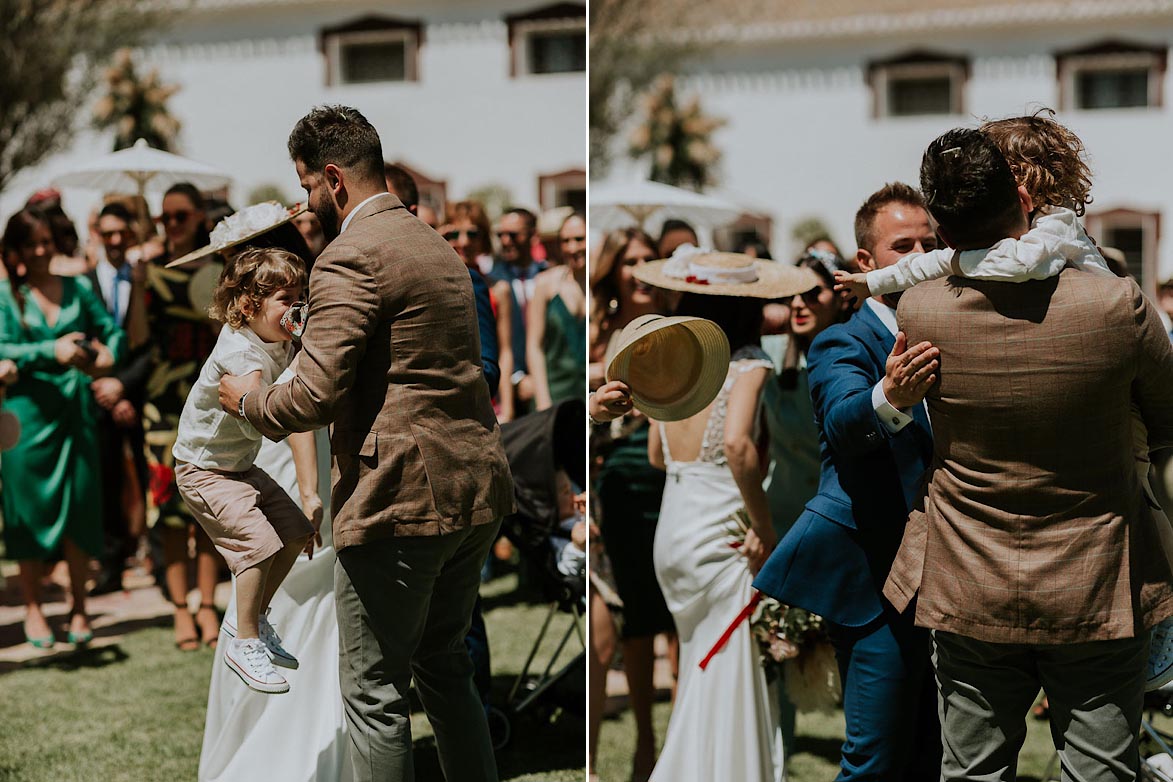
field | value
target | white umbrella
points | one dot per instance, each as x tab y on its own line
133	170
648	204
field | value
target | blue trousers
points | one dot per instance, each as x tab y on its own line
889	701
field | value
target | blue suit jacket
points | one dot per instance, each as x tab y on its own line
835	558
487	326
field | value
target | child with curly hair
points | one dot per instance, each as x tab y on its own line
254	524
1047	160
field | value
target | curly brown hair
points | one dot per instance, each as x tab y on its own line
253	276
1046	158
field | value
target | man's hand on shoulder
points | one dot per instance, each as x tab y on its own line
909	372
232	388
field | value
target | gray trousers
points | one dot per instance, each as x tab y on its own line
404	605
1095	691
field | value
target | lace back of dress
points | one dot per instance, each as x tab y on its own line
712	449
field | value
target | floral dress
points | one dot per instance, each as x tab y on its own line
182	336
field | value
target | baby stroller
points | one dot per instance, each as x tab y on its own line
537	445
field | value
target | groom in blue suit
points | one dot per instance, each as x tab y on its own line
876	444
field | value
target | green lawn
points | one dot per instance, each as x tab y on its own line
816	756
134	712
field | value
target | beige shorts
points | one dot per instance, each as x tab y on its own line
248	516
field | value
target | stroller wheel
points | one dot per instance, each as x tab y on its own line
499	729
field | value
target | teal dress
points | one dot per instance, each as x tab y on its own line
564	347
51	487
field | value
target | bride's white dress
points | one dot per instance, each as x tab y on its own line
299	736
724	724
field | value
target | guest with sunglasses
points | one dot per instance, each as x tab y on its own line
517	266
183	335
466	227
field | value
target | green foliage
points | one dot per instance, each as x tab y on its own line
51	59
494	197
624	59
266	192
809	230
676	138
136	107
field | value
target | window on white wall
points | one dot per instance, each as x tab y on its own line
565	188
1134	233
917	85
550	39
372	50
1111	76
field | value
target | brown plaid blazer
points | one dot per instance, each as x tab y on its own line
391	356
1033	526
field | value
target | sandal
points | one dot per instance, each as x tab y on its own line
79	639
188	643
213	638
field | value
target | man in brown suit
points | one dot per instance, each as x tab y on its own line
391	357
1035	560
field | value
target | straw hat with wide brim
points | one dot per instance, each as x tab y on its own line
247	224
726	274
674	366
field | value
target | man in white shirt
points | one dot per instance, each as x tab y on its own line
120	398
875	442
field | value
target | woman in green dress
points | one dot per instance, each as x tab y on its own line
57	332
555	329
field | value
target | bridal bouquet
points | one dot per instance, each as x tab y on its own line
793	644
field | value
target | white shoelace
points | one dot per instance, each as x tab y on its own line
257	658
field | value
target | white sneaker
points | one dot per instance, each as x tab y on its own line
277	652
273	643
249	659
1159	670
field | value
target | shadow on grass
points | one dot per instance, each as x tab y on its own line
13	635
535	746
73	659
546	737
825	747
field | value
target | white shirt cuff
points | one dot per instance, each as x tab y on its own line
892	419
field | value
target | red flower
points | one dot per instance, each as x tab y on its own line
162	484
695	280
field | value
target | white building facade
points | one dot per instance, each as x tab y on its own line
822	111
470	93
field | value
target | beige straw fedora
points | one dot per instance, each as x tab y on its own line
725	274
238	228
674	366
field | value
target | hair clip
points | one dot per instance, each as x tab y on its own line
951	153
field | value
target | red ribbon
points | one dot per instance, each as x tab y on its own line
692	278
745	614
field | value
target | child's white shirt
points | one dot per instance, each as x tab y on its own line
1055	239
208	437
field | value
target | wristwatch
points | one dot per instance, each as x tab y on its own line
240	405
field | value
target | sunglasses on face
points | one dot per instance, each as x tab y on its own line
112	234
811	295
454	235
512	235
174	217
569	239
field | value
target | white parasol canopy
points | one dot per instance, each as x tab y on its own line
134	170
648	204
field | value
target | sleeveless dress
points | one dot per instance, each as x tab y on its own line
724	724
565	351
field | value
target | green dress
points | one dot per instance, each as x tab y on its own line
564	347
51	487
